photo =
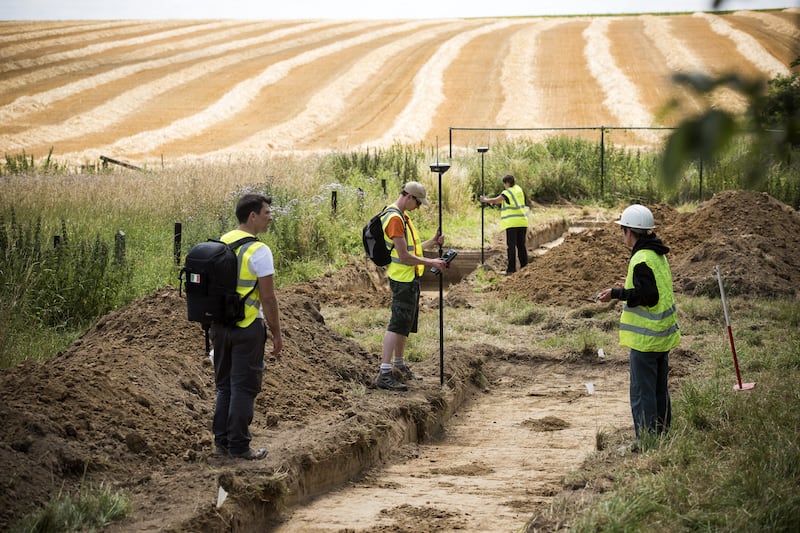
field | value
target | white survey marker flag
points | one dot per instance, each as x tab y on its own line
222	494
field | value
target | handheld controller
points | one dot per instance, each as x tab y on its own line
448	256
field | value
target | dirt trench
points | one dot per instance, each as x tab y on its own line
502	457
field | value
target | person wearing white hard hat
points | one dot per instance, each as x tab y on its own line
648	324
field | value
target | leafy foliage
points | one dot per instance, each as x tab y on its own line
770	124
780	107
63	286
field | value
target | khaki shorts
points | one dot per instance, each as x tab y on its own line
405	307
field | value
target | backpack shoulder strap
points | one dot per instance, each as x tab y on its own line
244	240
389	208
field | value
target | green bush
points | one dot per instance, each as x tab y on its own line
63	286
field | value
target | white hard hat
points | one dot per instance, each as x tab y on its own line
636	216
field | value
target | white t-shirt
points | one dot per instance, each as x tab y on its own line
260	265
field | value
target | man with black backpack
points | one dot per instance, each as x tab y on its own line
404	270
239	348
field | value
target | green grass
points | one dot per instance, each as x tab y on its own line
731	461
92	509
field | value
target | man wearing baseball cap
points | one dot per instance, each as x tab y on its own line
408	264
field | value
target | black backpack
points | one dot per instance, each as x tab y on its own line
210	275
374	240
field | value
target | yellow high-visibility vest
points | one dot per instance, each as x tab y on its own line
651	329
512	213
247	280
397	270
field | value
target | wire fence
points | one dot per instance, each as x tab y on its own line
623	154
603	136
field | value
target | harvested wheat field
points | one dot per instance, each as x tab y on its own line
481	443
139	91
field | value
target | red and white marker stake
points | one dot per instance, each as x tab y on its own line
739	385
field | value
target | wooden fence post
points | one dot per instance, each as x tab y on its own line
119	247
107	160
176	243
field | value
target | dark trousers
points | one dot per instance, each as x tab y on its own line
650	404
516	244
238	373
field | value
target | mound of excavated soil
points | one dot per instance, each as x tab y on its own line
752	237
130	404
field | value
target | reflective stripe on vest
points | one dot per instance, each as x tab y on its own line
651	329
247	280
512	213
396	270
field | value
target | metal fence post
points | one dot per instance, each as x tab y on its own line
701	180
602	160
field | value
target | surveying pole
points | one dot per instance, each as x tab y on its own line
440	168
482	150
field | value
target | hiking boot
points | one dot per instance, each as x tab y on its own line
221	451
251	454
405	373
387	381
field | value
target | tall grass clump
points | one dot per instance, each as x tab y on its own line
563	168
91	509
23	163
730	171
398	164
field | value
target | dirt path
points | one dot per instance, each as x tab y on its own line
503	457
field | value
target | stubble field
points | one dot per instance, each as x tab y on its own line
143	90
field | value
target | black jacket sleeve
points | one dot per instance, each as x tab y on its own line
644	291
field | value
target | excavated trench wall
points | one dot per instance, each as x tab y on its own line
468	260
